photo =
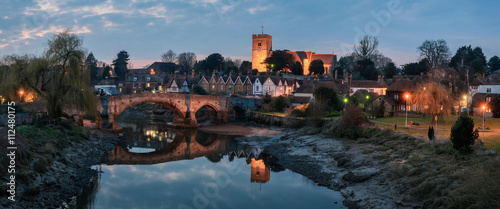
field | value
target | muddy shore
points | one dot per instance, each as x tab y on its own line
338	164
67	176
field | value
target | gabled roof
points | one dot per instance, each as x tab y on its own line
107	82
368	84
327	59
402	84
480	98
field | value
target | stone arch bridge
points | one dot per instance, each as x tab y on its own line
184	106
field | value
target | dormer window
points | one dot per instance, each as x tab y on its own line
148	79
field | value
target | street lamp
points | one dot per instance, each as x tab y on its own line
345	104
406	110
367	98
484	110
465	103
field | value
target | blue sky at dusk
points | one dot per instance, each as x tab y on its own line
148	28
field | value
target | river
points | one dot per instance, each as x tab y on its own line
157	167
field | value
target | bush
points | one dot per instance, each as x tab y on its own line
333	113
299	111
197	89
353	117
463	134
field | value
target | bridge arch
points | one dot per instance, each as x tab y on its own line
179	115
236	112
214	113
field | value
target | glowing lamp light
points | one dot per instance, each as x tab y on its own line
21	92
465	96
367	97
484	107
407	95
345	100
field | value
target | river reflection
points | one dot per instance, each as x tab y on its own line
156	167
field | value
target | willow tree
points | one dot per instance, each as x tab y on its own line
432	98
60	76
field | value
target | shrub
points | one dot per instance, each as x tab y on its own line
353	117
279	104
299	111
197	89
463	134
333	113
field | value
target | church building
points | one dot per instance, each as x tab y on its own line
262	49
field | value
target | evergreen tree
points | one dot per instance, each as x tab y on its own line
120	64
463	134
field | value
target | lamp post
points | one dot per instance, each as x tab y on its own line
367	98
465	99
345	104
406	111
484	110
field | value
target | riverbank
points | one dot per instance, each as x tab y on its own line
54	164
386	169
240	130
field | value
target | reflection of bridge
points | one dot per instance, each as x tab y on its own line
184	106
188	145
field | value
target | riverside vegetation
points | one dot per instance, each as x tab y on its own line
53	163
422	173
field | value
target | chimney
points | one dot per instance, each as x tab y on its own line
379	78
213	73
350	81
193	73
346	78
335	74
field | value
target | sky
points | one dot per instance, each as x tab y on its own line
148	28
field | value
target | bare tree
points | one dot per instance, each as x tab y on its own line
169	56
186	61
366	48
436	51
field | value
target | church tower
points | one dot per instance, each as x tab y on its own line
261	49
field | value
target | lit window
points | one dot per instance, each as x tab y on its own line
149	84
268	88
488	99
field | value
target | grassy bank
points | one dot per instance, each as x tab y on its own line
491	136
39	147
431	174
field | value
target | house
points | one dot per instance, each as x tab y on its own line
379	86
481	102
306	91
398	91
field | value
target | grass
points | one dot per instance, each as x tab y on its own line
491	137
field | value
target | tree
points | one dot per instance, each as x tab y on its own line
279	61
297	69
473	58
366	69
433	98
92	65
435	51
463	134
366	48
59	77
415	68
169	56
245	67
214	61
316	67
328	97
494	63
106	72
120	64
186	61
495	107
390	70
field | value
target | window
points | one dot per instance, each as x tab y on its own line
268	88
248	88
149	84
488	90
148	79
257	88
396	97
488	99
230	87
221	87
239	87
213	87
120	84
134	86
135	78
259	44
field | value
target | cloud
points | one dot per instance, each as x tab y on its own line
1	31
254	10
100	9
49	6
159	11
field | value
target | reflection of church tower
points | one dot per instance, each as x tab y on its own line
261	49
260	173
